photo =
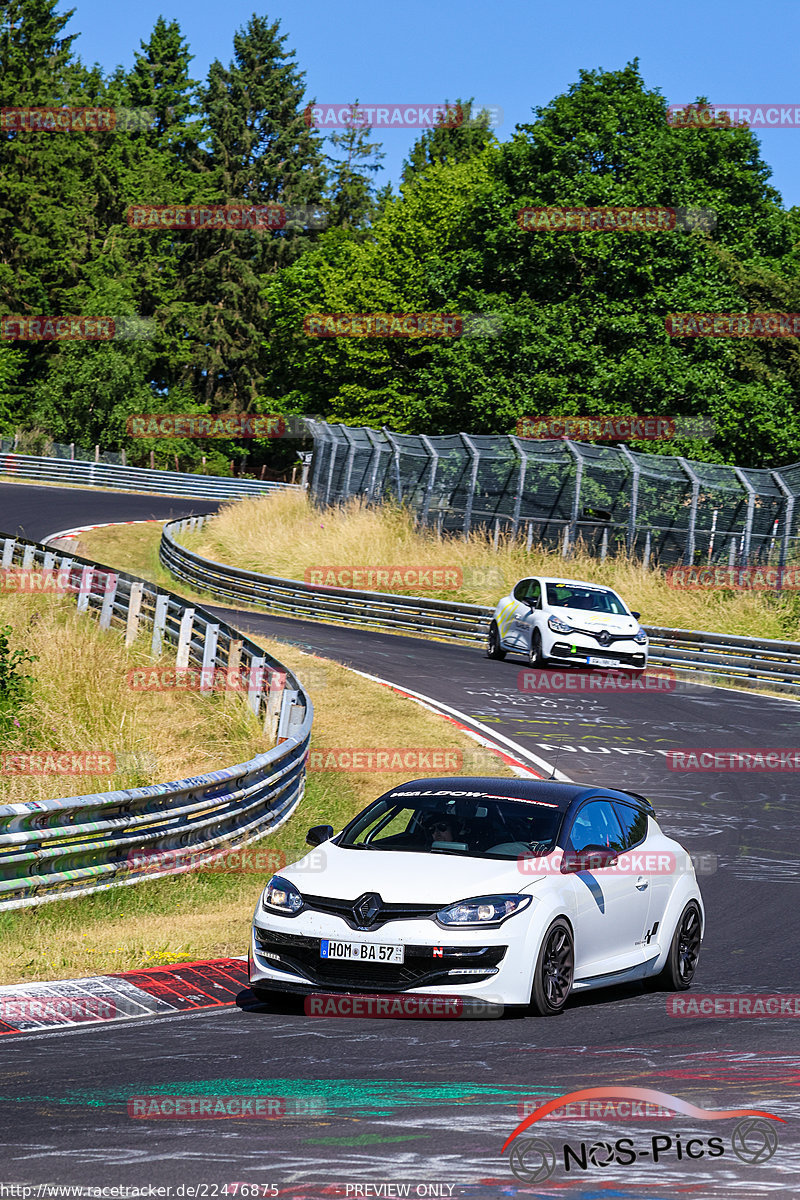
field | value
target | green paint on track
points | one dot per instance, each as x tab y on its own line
380	1097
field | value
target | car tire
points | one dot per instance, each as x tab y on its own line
684	950
493	647
555	967
535	656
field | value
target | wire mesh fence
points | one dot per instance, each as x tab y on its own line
557	493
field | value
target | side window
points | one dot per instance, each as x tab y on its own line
596	826
521	590
634	824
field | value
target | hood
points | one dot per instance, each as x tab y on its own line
400	878
595	620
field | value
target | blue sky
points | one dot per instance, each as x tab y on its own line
516	54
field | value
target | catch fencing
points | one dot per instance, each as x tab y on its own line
75	845
86	473
694	654
561	493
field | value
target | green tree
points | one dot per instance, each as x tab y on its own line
352	200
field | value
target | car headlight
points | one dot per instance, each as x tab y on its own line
482	910
640	637
280	896
559	626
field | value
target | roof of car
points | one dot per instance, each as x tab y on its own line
561	579
543	790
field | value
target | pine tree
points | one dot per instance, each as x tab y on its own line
261	151
449	143
353	202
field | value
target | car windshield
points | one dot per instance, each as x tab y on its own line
475	826
570	595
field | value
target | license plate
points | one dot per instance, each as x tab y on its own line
604	662
361	951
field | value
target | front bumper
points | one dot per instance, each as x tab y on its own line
285	957
579	648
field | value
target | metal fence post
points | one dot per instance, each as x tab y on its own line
574	450
433	457
351	454
475	455
688	554
109	596
396	452
523	467
636	472
751	504
788	516
8	551
375	462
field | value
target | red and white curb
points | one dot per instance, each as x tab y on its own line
98	999
67	536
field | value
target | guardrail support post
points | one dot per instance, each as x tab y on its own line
87	574
159	624
209	658
185	639
286	719
8	551
277	685
109	597
255	683
28	557
134	610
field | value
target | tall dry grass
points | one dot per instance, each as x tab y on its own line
284	534
81	702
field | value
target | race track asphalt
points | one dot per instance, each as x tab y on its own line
430	1103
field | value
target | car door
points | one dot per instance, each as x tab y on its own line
515	622
527	597
612	904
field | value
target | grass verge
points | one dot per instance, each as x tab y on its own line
283	534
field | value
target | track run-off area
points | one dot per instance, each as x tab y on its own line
428	1103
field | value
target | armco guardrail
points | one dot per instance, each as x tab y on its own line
751	661
133	479
80	844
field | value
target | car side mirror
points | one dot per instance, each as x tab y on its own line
636	615
593	858
318	834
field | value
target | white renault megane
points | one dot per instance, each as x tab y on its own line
511	890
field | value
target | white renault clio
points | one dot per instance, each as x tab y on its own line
568	621
515	890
